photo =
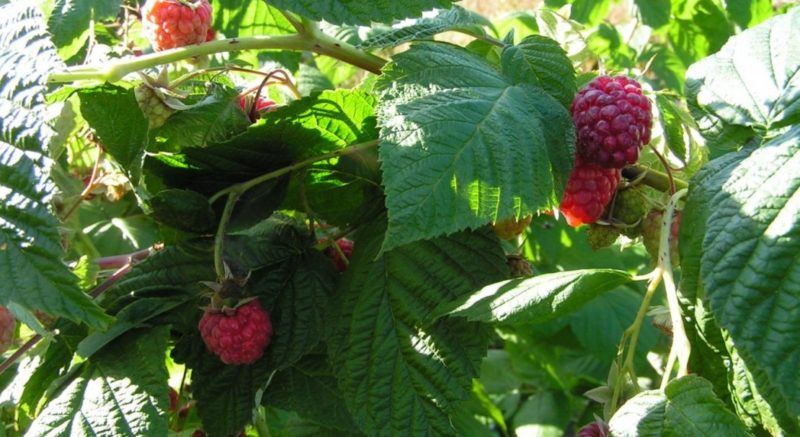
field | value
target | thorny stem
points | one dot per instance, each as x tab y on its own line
246	185
312	40
681	348
653	178
633	333
219	239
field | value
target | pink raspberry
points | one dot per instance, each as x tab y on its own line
594	429
261	105
176	23
8	324
237	336
612	120
346	247
589	189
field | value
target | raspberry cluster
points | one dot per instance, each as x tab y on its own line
346	248
169	24
612	120
239	335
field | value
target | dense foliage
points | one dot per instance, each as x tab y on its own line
364	203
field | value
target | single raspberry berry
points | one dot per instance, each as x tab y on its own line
169	24
595	429
630	206
612	120
519	266
589	189
261	105
600	236
8	324
173	399
152	104
651	234
346	247
199	433
239	335
511	227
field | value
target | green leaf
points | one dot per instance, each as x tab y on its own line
542	62
590	12
316	124
357	11
749	265
226	395
537	299
183	209
398	371
449	160
215	119
115	116
309	387
240	18
698	28
121	391
543	414
688	406
453	19
751	86
748	13
654	13
34	275
27	57
70	22
672	123
600	334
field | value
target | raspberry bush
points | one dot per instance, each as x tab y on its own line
287	218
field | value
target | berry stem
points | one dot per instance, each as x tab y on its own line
633	333
653	178
219	239
681	348
117	261
312	40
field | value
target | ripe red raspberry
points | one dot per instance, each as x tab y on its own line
176	23
346	246
8	324
589	189
612	120
237	336
594	429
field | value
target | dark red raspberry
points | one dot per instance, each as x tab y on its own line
237	336
595	429
176	23
173	399
589	189
612	120
346	247
8	324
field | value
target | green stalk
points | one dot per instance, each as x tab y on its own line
681	347
314	41
219	239
653	178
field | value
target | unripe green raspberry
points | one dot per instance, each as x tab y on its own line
601	236
630	206
152	105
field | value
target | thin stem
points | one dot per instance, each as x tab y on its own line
117	261
653	178
88	188
667	169
681	348
633	331
246	185
219	240
297	24
19	353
